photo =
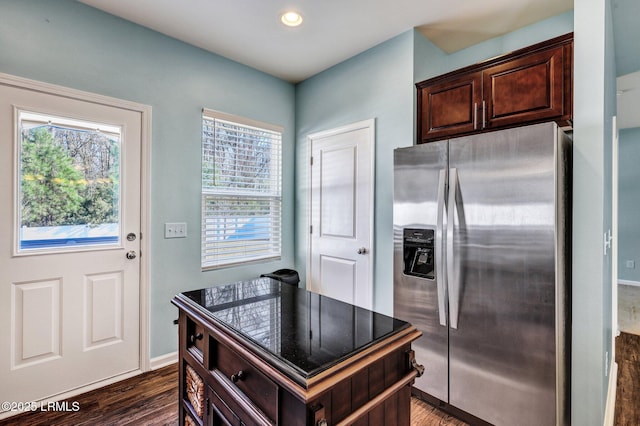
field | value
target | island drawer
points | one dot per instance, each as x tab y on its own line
244	376
231	409
195	338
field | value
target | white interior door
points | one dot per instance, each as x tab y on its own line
341	242
69	242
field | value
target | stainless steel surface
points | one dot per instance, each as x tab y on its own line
563	186
417	171
131	255
439	245
506	246
453	278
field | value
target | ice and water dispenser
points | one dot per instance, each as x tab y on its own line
418	252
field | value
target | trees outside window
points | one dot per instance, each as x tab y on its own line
69	182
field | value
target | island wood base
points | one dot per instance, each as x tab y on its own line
233	384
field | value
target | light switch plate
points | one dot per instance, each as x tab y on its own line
175	230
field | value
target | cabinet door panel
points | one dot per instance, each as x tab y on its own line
526	89
450	107
530	85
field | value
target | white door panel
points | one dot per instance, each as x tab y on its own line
334	274
338	191
103	309
341	219
35	330
70	311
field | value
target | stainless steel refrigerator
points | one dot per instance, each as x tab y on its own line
482	268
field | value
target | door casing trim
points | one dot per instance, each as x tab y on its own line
364	124
145	196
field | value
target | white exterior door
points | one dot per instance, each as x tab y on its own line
70	225
341	211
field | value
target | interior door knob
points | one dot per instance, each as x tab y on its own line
131	255
362	250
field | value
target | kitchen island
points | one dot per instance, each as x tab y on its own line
268	353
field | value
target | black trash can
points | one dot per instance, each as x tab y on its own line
287	276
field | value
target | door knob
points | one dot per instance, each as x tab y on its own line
131	255
361	250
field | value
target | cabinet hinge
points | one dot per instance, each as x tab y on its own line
311	229
311	160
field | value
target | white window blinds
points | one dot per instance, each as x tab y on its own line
241	190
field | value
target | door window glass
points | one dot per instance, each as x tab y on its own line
68	183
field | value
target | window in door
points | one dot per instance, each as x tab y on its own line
241	190
68	183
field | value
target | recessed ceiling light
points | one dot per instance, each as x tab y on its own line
291	19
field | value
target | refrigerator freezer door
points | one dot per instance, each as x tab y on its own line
503	351
419	182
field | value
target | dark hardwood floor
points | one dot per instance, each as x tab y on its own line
627	411
151	399
148	399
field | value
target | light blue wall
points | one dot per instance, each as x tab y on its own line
67	43
375	84
379	83
627	33
628	204
610	106
594	105
594	102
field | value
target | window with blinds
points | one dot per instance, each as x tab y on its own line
241	190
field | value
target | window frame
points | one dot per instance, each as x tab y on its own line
273	197
25	247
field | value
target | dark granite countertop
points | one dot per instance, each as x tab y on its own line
299	332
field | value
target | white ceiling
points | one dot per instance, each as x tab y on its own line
250	32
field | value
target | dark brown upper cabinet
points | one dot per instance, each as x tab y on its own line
530	85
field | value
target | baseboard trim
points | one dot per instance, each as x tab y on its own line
629	282
163	360
610	409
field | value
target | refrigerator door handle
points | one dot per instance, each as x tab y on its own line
452	275
439	242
